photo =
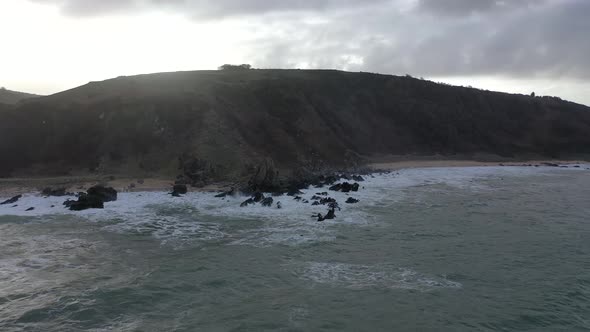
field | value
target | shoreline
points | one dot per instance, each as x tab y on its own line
16	186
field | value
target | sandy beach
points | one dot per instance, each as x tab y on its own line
15	186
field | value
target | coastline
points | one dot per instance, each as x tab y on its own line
30	185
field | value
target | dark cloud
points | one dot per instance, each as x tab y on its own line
544	40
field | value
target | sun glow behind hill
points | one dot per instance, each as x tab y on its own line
61	53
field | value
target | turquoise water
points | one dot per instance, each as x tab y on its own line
462	249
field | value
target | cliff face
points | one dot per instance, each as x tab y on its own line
224	121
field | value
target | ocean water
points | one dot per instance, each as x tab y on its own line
443	249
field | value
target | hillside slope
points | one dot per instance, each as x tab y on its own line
223	122
13	97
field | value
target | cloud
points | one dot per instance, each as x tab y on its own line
201	9
513	38
544	40
466	7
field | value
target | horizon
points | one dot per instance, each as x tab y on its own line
515	47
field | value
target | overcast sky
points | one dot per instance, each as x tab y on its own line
511	45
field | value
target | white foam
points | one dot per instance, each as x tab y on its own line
190	217
356	276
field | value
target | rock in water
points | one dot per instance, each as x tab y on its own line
279	205
267	202
30	209
85	202
247	202
93	199
179	189
258	197
351	200
12	200
358	178
106	194
330	214
320	217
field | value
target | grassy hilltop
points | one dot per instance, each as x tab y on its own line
224	122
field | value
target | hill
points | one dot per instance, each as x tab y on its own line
13	97
221	124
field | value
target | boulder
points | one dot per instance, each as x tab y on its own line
85	202
30	209
247	202
358	178
279	205
12	200
351	200
267	202
230	192
94	198
330	214
106	194
258	197
179	189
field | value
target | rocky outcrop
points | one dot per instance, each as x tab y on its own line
265	178
12	200
179	189
94	198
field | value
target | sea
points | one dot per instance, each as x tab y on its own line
437	249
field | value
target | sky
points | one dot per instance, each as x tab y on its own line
516	46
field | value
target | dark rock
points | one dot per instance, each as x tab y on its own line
327	200
279	205
351	200
297	198
294	192
85	202
258	197
12	200
94	198
315	198
315	203
345	187
265	178
330	214
15	205
322	194
336	187
305	201
53	206
59	192
230	192
334	205
550	164
106	194
358	178
30	209
247	202
267	202
320	217
179	189
576	166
